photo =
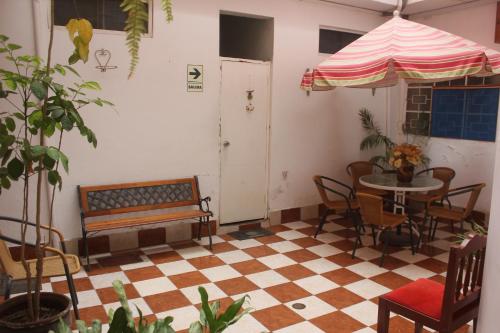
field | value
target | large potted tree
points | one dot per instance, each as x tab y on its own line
39	111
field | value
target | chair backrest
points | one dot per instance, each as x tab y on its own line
445	175
464	277
474	195
371	207
318	181
359	169
6	261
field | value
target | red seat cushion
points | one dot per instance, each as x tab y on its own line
424	296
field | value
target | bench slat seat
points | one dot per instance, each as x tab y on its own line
113	200
144	220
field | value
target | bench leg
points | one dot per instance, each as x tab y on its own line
199	228
86	251
209	233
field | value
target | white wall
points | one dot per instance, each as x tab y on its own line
161	131
472	160
475	161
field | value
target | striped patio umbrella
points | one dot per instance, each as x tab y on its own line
402	49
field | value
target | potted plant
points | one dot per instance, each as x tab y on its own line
404	158
211	320
41	108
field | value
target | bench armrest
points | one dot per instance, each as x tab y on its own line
204	205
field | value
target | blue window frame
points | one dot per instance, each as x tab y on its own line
469	114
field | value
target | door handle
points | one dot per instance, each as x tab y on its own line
226	143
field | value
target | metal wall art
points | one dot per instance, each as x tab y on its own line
103	57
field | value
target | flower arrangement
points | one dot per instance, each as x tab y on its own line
404	155
404	158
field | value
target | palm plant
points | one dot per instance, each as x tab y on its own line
375	137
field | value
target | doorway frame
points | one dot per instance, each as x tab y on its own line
268	134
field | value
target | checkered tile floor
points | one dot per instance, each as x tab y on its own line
339	293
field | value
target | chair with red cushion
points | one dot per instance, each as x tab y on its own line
443	308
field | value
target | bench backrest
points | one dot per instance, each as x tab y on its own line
134	197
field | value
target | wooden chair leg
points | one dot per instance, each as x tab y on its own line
321	222
418	328
383	316
474	325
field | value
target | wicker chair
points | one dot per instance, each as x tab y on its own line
362	168
455	214
346	204
444	174
372	213
60	264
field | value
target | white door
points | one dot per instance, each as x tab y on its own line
245	106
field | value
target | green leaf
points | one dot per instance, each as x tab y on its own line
64	161
72	70
210	317
15	168
6	156
38	151
10	83
66	123
90	85
13	47
60	69
10	123
55	111
73	59
195	327
38	89
119	322
3	38
48	162
5	182
19	116
53	153
53	177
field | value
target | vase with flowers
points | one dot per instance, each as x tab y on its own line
404	158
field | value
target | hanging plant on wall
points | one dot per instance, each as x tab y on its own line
136	26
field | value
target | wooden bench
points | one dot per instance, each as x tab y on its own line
111	200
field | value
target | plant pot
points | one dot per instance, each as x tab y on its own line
54	307
405	173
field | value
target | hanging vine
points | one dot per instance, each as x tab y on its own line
136	25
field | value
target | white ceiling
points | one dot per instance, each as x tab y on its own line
413	7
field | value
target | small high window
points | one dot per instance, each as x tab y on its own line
103	14
332	41
246	37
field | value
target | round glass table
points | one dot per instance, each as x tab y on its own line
389	182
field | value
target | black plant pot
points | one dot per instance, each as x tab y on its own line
405	174
56	307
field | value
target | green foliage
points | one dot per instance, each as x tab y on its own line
42	106
166	6
476	229
136	25
121	320
375	137
211	318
